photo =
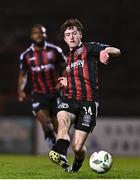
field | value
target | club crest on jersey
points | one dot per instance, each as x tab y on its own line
50	55
79	51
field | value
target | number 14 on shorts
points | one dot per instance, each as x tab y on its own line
88	110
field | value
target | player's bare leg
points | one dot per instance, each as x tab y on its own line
46	121
79	150
59	153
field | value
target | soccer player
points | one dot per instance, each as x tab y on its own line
80	104
44	63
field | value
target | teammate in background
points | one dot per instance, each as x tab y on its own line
44	62
80	105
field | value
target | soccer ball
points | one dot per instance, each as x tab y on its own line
100	162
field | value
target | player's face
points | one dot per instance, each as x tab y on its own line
38	35
72	37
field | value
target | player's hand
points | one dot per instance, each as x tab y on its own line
62	83
22	96
104	57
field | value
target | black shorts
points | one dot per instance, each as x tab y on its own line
44	101
85	112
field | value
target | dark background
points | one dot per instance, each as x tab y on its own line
114	22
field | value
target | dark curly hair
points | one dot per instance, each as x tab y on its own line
70	23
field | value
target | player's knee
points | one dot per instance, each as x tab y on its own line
62	119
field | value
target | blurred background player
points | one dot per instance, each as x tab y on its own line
80	104
44	63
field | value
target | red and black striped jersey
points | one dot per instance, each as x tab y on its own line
82	71
45	66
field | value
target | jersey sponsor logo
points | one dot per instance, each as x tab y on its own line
86	120
76	64
42	68
63	106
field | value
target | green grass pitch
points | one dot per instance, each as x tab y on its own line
40	167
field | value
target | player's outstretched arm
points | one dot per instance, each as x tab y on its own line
112	51
107	53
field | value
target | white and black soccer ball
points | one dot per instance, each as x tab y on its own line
100	161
